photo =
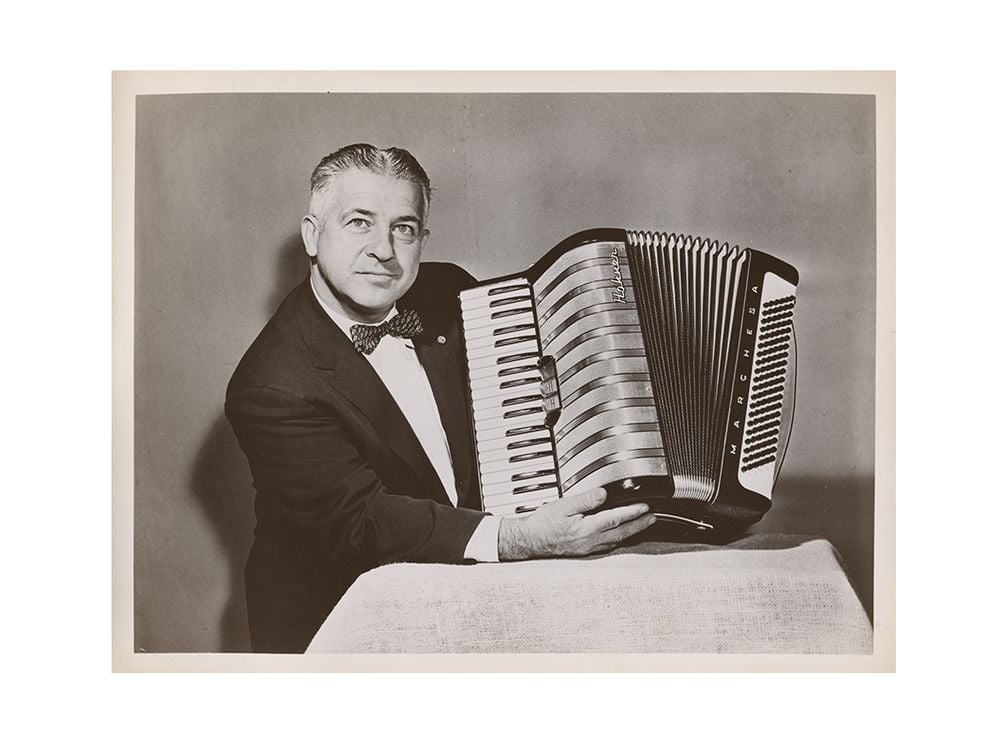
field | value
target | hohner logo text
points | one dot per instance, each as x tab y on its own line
618	293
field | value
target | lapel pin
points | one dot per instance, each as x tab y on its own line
442	340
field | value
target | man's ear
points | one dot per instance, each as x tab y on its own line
310	234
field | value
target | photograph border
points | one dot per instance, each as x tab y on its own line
127	85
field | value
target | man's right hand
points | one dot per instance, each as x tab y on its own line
560	528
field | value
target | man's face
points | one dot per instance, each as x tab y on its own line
367	243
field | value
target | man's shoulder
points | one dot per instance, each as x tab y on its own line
278	353
438	276
437	287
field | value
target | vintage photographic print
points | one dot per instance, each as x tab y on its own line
464	372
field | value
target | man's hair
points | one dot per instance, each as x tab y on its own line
390	162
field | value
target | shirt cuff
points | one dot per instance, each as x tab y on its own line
484	543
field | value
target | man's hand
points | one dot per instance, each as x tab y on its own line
560	528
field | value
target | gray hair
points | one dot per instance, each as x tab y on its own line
390	162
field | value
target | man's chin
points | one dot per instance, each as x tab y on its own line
374	294
374	306
366	297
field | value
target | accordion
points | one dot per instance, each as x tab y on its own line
660	367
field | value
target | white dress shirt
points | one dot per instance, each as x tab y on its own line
396	363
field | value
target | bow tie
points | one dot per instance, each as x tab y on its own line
405	325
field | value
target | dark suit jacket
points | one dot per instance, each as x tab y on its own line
342	483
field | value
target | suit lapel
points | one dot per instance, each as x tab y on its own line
356	380
439	356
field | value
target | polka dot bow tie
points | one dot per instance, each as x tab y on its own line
405	325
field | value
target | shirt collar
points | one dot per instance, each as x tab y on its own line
343	322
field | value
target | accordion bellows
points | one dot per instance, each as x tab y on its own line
661	367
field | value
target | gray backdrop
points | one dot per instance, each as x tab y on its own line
222	182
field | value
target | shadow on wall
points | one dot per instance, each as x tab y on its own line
290	267
220	478
220	481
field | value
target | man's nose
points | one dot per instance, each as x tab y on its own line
382	248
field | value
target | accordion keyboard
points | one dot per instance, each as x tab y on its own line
515	451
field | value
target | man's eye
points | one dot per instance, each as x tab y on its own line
405	230
358	223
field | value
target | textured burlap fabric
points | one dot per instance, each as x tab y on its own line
795	600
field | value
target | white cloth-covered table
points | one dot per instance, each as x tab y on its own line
794	600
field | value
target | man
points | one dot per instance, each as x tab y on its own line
351	409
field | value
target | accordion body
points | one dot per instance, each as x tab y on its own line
660	367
